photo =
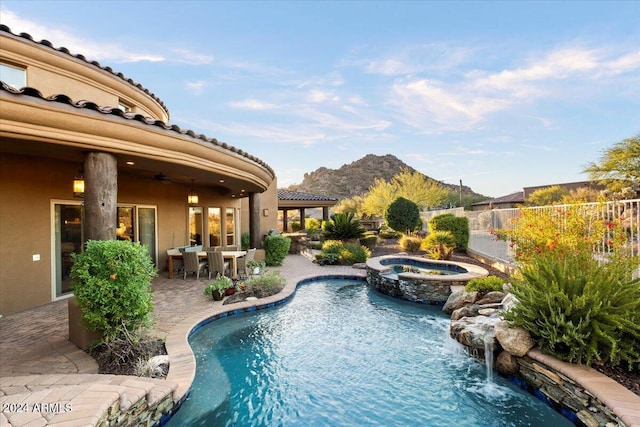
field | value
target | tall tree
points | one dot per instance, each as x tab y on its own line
414	186
619	165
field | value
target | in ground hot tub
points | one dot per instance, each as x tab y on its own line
418	279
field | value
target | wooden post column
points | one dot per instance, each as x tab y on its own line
325	213
285	220
100	196
302	221
255	232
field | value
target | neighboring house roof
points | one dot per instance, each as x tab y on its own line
297	199
509	198
64	50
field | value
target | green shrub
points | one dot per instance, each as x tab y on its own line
484	284
579	310
369	242
276	249
410	243
439	244
387	233
111	280
402	215
343	226
314	244
458	225
312	225
267	284
343	253
245	241
294	226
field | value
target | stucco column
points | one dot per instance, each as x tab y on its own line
302	221
285	220
255	233
100	196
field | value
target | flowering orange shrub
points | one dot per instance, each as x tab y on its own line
564	230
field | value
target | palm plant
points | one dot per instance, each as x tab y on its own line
343	226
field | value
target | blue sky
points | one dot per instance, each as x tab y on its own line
500	95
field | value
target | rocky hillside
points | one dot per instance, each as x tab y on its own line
355	178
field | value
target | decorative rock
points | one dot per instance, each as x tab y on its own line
487	311
587	419
516	341
491	297
459	299
506	364
508	302
473	331
159	360
467	311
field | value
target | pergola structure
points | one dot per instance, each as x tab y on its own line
290	200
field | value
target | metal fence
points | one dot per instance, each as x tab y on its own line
481	224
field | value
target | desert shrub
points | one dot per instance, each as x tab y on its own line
327	258
388	233
410	243
403	215
314	244
578	309
343	253
111	280
369	241
245	241
457	225
439	244
265	285
484	284
343	226
312	225
294	226
276	249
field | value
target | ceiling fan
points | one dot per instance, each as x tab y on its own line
162	178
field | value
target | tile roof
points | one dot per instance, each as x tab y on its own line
299	196
64	50
64	99
509	198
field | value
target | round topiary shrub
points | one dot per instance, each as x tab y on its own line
276	249
403	215
111	280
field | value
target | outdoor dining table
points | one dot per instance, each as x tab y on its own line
227	255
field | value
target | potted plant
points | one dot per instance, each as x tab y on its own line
218	287
255	266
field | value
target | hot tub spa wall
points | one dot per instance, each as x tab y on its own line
412	288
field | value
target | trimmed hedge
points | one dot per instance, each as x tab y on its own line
276	249
457	225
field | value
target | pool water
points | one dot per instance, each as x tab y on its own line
340	354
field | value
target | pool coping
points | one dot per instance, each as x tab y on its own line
182	363
472	270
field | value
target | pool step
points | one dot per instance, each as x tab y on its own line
84	400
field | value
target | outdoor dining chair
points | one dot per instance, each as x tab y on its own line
192	264
242	262
177	262
217	264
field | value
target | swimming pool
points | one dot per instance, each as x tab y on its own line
340	354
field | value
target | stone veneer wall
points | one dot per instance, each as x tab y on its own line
412	289
563	394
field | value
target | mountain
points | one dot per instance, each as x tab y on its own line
355	178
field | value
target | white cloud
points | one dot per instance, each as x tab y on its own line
94	51
197	87
252	104
319	96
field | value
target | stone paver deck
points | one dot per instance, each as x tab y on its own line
38	364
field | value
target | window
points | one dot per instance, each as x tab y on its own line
215	229
195	225
12	75
231	226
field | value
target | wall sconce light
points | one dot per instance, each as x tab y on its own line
265	212
78	185
192	198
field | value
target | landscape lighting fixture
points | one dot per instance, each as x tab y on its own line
78	185
192	198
